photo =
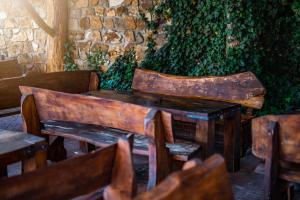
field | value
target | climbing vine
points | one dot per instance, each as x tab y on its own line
213	37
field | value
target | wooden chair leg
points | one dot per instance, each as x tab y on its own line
57	151
3	170
271	183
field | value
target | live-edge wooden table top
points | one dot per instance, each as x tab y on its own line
198	109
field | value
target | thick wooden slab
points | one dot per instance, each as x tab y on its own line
243	88
100	136
70	82
200	109
199	181
65	180
60	106
289	134
10	68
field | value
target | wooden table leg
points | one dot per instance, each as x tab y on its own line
232	141
38	160
3	170
205	136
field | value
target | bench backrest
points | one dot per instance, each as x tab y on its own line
77	176
70	82
207	180
10	68
243	88
41	105
289	136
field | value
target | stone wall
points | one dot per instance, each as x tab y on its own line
113	26
20	37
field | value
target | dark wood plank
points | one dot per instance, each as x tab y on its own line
9	112
199	181
243	88
205	136
70	82
101	136
272	163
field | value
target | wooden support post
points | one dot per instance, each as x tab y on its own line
272	162
232	126
205	136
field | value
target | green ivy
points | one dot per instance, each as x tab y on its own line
69	63
119	76
215	37
97	59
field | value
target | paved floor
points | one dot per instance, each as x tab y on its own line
247	184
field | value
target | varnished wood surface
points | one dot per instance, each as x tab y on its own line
289	136
11	141
10	68
243	88
200	109
70	82
101	136
75	177
199	181
52	105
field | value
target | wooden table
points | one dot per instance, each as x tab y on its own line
202	112
19	146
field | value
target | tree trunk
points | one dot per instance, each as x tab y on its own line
57	18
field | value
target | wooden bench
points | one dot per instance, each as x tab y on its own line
276	139
70	82
101	122
83	177
197	181
10	68
244	89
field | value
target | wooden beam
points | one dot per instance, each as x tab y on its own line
36	17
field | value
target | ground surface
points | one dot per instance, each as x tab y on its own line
247	184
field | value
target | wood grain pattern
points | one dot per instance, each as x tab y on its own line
78	176
207	180
243	88
289	134
52	105
10	68
70	82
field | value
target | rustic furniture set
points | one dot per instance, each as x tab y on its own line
149	121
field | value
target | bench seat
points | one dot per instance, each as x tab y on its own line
101	136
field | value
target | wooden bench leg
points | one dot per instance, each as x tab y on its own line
57	151
232	141
3	170
205	136
271	164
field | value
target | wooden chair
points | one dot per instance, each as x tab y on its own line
101	122
10	68
81	177
70	82
243	88
197	181
276	139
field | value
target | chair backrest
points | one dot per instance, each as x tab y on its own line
207	180
52	105
243	88
77	176
289	136
10	68
70	82
41	105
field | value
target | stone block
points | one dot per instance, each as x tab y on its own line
19	37
112	37
95	22
108	23
85	23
